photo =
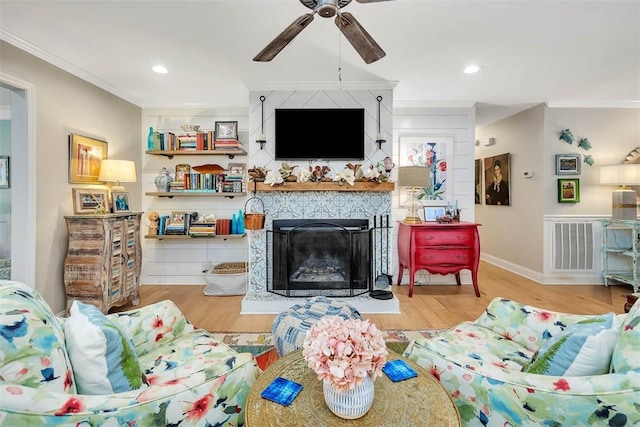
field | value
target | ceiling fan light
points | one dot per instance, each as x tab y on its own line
327	9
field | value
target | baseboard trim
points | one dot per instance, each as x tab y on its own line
558	278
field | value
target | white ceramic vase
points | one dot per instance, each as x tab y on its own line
350	404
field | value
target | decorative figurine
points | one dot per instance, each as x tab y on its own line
153	218
388	164
584	143
588	159
567	136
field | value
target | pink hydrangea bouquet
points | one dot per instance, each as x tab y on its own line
343	352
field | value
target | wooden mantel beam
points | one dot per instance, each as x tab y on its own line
322	186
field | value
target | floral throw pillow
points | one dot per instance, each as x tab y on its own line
583	348
103	359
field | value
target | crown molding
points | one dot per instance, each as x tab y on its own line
322	85
593	104
66	66
432	104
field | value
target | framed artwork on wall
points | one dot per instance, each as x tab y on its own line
496	180
85	157
568	164
89	200
435	154
568	190
5	172
478	182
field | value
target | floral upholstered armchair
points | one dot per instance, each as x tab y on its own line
521	365
144	367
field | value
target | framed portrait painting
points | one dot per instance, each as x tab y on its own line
568	190
478	181
496	180
85	157
435	154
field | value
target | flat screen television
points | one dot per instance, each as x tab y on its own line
319	133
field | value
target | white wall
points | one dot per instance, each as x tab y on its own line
513	237
183	261
435	120
514	233
66	104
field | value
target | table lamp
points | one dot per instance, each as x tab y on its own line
414	177
624	199
117	171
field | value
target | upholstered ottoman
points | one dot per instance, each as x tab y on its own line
290	326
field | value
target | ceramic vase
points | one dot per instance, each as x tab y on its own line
163	180
351	403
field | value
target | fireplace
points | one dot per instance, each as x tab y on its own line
311	257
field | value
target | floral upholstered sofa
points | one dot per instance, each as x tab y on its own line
168	372
519	365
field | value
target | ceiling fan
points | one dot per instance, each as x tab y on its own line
362	42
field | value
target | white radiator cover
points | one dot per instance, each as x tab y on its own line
573	250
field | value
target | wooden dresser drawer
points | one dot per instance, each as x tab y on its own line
459	237
435	257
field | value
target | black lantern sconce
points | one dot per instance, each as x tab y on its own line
261	139
380	137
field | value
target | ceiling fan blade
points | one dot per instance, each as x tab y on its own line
361	41
283	39
370	1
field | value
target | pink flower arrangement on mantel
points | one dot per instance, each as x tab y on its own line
343	352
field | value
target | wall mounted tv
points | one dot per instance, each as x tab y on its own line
319	133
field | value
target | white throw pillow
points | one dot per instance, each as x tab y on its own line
102	357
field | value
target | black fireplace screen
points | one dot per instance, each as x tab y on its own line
319	257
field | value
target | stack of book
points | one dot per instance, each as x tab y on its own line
227	144
202	229
164	141
176	186
195	141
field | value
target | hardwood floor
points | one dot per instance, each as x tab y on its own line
432	306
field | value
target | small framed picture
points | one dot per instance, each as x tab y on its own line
568	190
182	169
568	164
120	202
5	172
432	213
177	218
237	169
226	130
89	201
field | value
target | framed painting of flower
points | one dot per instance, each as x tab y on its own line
435	154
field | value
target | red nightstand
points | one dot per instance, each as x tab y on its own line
440	249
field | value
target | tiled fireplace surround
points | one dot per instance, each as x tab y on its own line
311	205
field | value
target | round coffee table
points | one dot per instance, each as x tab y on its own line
419	401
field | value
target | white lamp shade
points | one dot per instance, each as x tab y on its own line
117	171
620	174
413	176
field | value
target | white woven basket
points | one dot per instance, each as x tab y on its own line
227	279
